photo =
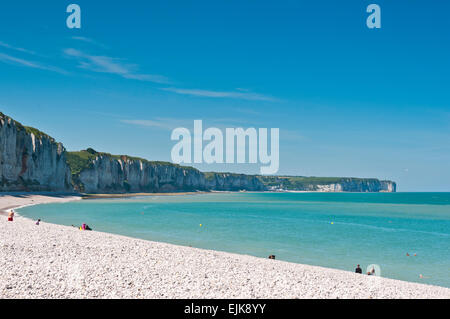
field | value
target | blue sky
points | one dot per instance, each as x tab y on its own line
349	101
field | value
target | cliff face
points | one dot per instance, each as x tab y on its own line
233	182
358	186
110	175
95	172
327	184
31	160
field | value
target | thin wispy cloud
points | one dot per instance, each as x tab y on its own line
84	39
172	123
88	40
247	111
27	63
160	123
221	94
292	135
233	122
106	64
8	46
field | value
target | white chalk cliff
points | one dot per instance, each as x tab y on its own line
31	160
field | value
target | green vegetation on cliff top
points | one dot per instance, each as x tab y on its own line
301	182
295	182
78	161
28	129
212	175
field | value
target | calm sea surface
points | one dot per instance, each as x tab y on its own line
337	230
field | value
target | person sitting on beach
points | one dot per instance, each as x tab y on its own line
85	227
358	269
272	257
38	221
11	216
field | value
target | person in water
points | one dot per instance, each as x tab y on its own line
358	269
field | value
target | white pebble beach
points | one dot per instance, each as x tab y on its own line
54	261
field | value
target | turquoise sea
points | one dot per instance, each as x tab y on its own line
337	230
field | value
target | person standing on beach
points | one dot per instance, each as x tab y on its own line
358	269
11	216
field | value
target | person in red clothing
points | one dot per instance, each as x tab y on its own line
11	216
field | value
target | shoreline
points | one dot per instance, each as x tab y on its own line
13	201
186	272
